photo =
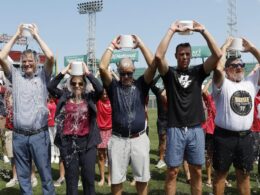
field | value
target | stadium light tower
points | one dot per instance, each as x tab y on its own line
90	8
232	18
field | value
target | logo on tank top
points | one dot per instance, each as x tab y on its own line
184	81
241	102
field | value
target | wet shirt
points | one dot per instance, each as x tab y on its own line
128	106
183	89
76	120
235	103
30	94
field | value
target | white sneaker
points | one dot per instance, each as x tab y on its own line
79	183
160	164
12	182
34	182
6	159
59	182
56	160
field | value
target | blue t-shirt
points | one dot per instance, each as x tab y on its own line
128	106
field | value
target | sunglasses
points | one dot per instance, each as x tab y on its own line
242	65
128	74
74	84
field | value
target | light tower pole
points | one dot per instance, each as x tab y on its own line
90	8
232	18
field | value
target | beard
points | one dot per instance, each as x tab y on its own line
236	77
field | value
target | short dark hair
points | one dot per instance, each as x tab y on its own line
33	52
182	45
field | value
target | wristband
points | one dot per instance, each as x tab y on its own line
110	49
202	31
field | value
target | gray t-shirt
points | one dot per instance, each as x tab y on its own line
29	99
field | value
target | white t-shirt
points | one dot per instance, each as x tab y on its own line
235	103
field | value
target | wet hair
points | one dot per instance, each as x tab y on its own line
182	45
231	59
125	62
33	52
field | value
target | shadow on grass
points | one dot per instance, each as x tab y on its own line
11	191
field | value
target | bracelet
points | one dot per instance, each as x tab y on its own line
113	44
110	49
202	31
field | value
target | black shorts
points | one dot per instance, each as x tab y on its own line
232	147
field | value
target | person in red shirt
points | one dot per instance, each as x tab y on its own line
256	133
104	122
52	129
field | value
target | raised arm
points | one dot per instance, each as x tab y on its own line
148	55
105	74
219	72
211	62
160	60
206	87
6	50
47	52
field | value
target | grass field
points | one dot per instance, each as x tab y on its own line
156	184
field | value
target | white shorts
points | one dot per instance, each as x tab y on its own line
122	151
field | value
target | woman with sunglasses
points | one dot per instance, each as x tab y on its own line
77	133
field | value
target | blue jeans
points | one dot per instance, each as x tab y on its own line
37	148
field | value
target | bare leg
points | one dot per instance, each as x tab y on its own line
243	182
219	182
196	179
186	170
117	189
170	183
141	188
162	146
208	168
101	165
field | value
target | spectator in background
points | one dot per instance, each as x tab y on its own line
31	139
2	120
52	129
161	101
104	122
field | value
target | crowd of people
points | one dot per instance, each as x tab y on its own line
47	120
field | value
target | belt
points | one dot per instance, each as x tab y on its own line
31	132
232	133
134	135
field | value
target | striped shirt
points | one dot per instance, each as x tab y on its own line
29	99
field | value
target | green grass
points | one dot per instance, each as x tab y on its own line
156	184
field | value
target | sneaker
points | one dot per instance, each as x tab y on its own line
34	181
12	183
56	160
60	181
160	164
79	183
6	159
228	184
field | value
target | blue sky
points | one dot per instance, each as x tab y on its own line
65	30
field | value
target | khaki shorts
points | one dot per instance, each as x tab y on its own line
122	151
9	143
